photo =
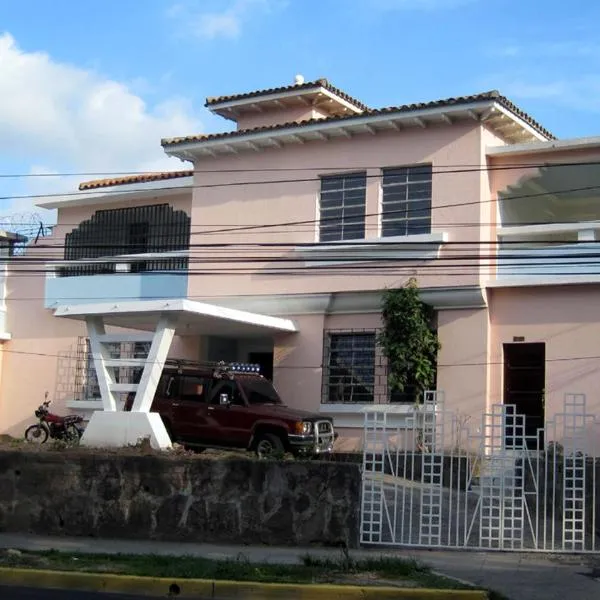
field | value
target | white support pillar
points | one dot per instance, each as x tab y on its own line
159	350
112	428
95	327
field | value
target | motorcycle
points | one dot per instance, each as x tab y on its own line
53	426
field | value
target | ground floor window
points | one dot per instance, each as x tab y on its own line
86	380
355	370
350	367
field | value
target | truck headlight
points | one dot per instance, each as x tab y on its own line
303	427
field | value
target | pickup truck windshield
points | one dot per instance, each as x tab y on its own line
259	391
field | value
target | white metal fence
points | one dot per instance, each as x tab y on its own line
433	480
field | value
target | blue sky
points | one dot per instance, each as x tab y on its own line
94	85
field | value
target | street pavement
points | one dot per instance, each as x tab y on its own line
20	593
519	576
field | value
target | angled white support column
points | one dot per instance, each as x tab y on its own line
159	350
95	327
112	428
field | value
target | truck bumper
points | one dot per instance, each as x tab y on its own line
311	444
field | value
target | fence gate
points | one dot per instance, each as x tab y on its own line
433	479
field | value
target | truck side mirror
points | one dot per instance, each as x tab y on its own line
224	399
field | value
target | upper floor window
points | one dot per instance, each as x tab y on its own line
406	201
152	229
342	207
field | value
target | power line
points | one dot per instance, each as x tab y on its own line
321	366
410	212
474	167
95	192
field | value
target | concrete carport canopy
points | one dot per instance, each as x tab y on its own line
157	322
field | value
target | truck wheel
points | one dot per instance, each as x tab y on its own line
268	444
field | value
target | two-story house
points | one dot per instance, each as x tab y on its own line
275	244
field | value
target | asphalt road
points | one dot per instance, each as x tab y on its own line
21	593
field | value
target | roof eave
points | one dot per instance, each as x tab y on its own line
119	193
227	108
490	111
543	147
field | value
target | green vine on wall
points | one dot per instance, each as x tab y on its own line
409	340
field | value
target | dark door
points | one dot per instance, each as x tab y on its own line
524	387
265	360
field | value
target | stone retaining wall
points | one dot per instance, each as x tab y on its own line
227	501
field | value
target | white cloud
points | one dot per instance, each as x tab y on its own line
225	22
68	119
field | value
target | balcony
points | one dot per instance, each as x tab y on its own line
548	253
150	276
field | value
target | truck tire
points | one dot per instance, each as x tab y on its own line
268	444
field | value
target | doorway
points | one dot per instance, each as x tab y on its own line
524	387
265	361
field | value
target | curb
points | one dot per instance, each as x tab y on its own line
221	590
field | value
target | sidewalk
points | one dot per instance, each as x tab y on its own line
517	576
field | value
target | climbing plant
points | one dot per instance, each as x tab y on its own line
408	340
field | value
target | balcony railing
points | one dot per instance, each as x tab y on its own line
562	251
149	276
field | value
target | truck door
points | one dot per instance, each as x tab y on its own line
228	414
189	408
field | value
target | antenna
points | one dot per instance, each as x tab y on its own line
298	80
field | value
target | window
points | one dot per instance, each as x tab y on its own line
406	201
342	207
194	388
226	387
259	391
349	367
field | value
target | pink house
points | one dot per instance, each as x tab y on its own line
276	243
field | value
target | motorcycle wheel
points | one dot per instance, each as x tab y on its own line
72	433
36	434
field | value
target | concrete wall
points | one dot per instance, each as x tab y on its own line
282	206
174	498
566	319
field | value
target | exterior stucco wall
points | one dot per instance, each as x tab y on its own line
244	204
567	320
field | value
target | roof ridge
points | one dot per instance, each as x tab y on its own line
320	82
402	108
134	178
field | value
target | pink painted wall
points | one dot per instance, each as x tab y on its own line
462	363
268	118
566	318
297	363
287	200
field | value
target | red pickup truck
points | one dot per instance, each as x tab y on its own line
219	405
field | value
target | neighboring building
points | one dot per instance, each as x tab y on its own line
275	245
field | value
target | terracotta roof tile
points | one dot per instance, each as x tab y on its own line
211	101
405	108
127	179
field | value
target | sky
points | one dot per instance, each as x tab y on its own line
92	86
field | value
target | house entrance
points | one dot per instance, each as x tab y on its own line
524	387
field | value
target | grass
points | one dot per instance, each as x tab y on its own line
342	570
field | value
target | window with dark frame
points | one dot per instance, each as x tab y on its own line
406	200
350	367
342	207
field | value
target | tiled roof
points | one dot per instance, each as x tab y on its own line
405	108
211	101
142	178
